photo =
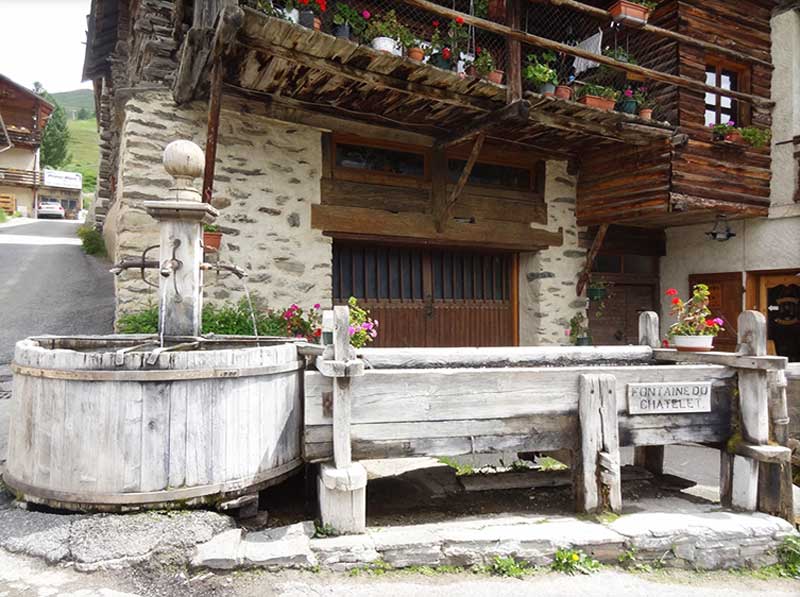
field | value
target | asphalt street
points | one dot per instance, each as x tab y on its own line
49	286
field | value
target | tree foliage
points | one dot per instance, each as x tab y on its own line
55	138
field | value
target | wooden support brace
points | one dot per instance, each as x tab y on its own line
447	208
587	269
597	480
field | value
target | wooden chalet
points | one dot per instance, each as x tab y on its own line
434	185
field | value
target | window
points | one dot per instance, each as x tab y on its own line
378	159
720	109
491	175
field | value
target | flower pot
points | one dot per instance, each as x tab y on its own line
596	294
564	92
496	76
212	240
416	54
342	30
646	113
547	89
307	18
583	342
471	71
595	101
440	61
734	137
293	16
693	343
629	11
628	106
387	44
497	10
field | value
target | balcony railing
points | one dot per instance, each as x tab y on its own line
46	178
20	178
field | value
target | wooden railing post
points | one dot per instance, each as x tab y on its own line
342	484
514	19
649	457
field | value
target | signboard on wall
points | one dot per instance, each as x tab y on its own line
62	180
669	398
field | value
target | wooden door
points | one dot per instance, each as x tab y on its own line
430	296
726	302
779	300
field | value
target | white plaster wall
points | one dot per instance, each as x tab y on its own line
16	157
23	196
267	178
765	243
548	279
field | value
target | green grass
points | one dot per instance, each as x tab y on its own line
84	145
75	100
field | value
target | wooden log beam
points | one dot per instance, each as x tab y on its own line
548	44
604	16
587	269
514	12
729	359
447	208
514	113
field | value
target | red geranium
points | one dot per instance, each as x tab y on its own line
435	23
672	292
446	53
676	301
460	20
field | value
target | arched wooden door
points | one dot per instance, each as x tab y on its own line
430	296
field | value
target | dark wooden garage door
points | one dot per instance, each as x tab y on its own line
430	296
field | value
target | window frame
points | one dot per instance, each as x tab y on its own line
374	176
741	111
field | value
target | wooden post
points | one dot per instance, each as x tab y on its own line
754	409
597	480
342	484
514	10
649	457
775	492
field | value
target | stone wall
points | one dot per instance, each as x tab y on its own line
267	178
547	299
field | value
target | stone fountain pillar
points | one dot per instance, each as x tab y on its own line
181	216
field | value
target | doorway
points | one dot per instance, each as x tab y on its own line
425	296
779	301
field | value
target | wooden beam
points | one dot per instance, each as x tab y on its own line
516	112
604	16
447	208
543	42
587	269
728	359
514	11
421	227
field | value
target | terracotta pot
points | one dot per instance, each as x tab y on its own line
693	343
734	137
594	101
416	54
317	24
212	240
629	11
564	92
497	10
646	113
496	76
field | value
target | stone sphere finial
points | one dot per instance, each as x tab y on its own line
184	160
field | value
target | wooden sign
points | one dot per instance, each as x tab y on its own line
669	398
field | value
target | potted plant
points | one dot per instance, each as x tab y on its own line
597	291
627	104
540	73
726	132
695	329
620	55
212	237
564	92
445	48
598	96
485	67
387	34
579	330
755	136
348	21
310	11
636	11
290	10
644	103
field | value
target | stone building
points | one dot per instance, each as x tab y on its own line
460	211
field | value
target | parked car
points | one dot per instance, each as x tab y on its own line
50	208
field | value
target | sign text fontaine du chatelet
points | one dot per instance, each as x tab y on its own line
669	398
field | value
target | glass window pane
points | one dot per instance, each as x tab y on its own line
711	117
608	264
711	75
491	175
638	264
725	81
390	161
730	80
711	99
726	102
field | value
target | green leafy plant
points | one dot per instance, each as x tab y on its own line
269	9
722	130
210	228
643	99
376	568
449	41
578	328
389	26
539	69
694	316
598	91
648	4
3	216
324	530
789	556
462	470
620	55
508	567
91	240
756	136
363	329
484	62
549	464
358	21
571	561
480	8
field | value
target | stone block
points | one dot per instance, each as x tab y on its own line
223	552
350	549
285	547
343	509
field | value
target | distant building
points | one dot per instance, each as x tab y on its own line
23	116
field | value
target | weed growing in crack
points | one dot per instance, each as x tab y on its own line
571	561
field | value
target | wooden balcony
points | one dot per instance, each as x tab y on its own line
20	178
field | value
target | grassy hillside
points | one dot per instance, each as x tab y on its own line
84	145
72	101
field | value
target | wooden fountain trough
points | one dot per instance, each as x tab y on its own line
96	427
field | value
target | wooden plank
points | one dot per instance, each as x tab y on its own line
738	360
753	391
342	399
768	454
513	113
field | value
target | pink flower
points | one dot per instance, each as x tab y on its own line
352	330
629	92
719	321
316	306
366	325
731	123
568	332
375	322
366	14
373	333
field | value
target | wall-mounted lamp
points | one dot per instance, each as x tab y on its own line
721	230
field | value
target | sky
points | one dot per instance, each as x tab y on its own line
44	40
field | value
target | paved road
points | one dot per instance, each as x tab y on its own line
48	285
